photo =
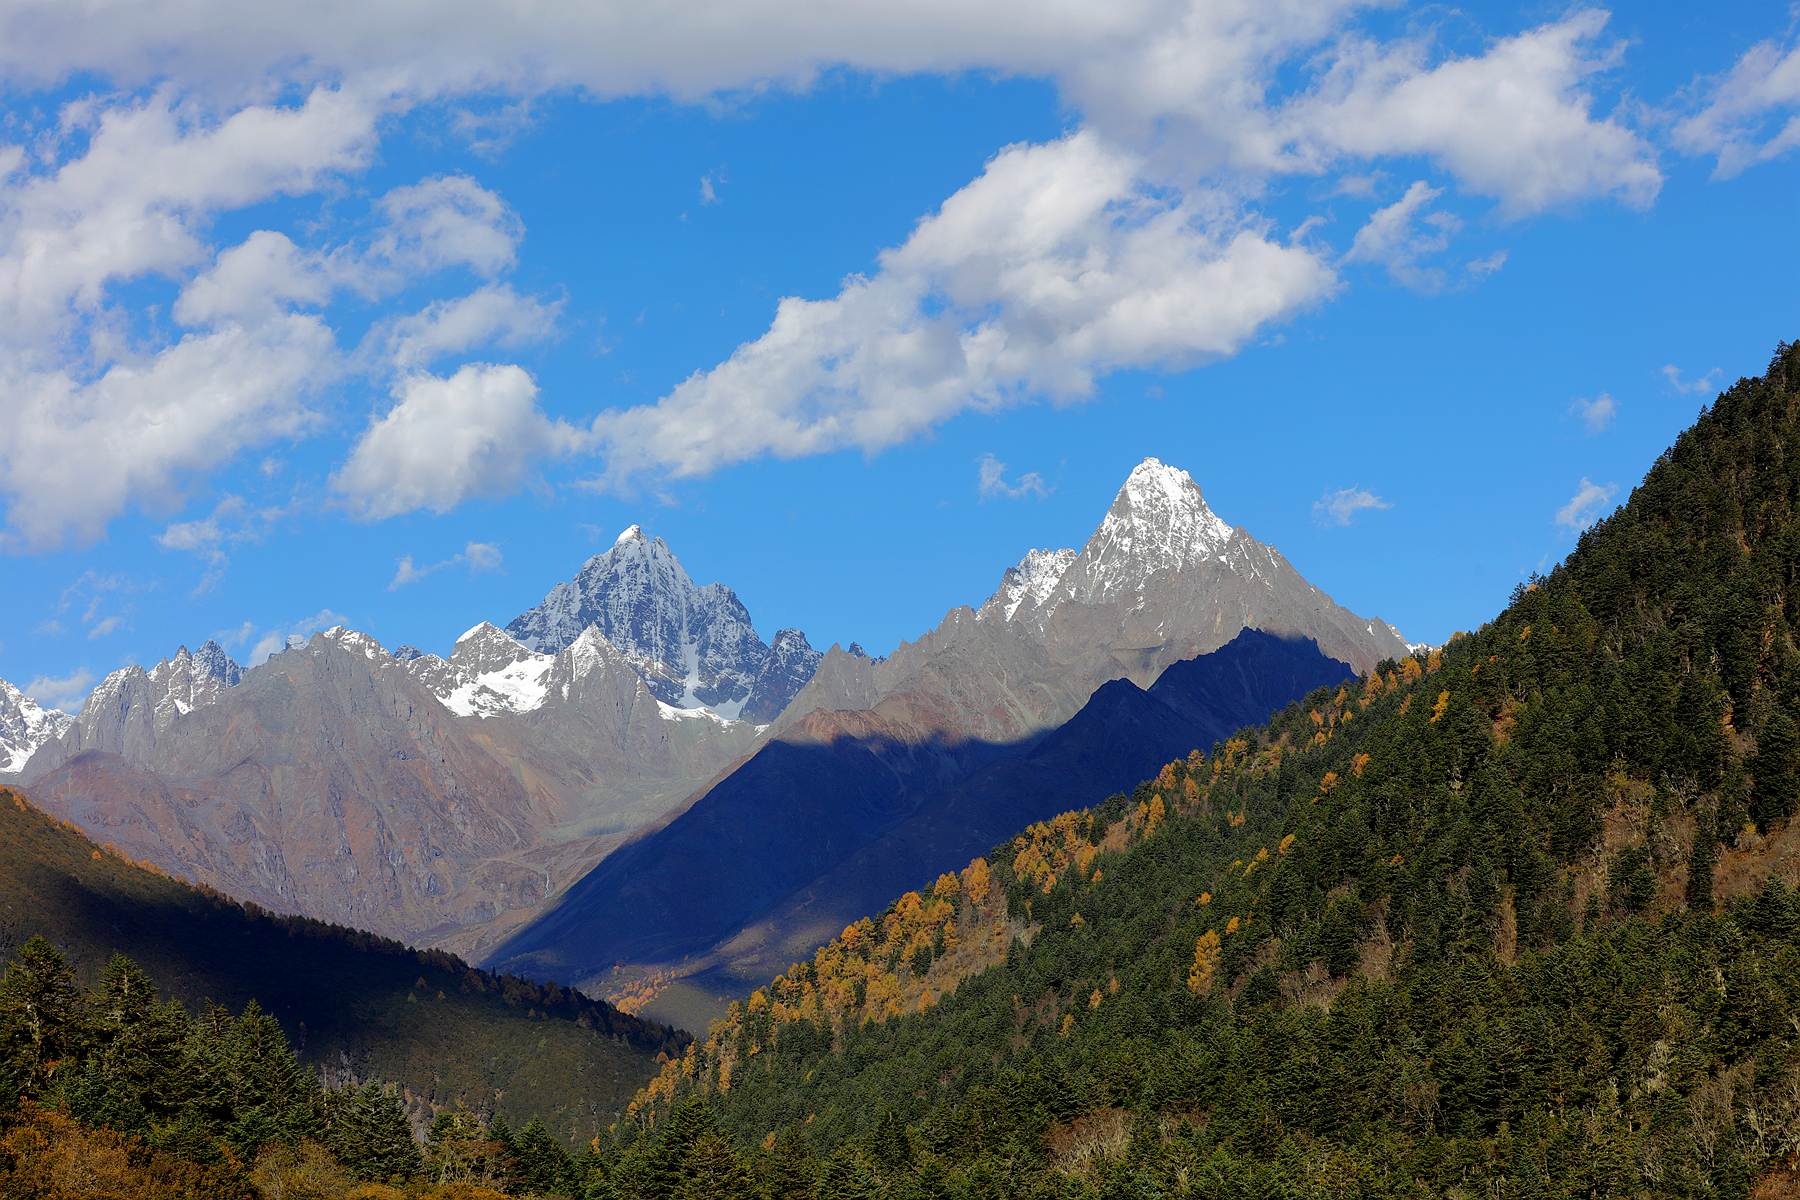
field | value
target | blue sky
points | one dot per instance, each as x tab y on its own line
388	316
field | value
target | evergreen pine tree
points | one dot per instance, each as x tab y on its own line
540	1160
712	1171
793	1172
43	1016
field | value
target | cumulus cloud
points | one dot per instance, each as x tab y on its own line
99	419
1595	414
478	556
991	482
449	221
477	433
1585	506
1053	267
93	423
1513	123
1127	244
490	315
67	692
1340	507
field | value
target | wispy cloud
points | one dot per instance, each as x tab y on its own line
477	556
67	693
1585	506
1595	414
991	482
232	522
1340	507
105	609
1706	383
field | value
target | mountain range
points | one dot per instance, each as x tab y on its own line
447	800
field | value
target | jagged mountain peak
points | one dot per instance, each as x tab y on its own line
694	646
24	726
212	661
1159	521
487	647
1034	578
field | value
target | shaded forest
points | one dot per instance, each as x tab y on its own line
355	1006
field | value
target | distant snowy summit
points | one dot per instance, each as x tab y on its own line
694	646
1170	563
24	727
128	707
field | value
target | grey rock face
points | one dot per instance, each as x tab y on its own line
1164	579
132	708
412	797
790	663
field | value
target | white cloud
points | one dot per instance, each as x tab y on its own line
491	315
991	481
95	422
449	221
255	281
1584	508
1340	507
1133	248
234	637
1706	383
479	557
74	454
1054	267
1393	237
707	194
477	433
1513	123
1761	88
1400	235
1596	414
66	693
233	522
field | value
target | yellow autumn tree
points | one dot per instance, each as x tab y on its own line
1206	960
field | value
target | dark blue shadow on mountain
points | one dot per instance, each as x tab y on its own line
803	836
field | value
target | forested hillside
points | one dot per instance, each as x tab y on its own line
356	1007
1513	919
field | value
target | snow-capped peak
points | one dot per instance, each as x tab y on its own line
1035	577
693	646
24	726
1159	521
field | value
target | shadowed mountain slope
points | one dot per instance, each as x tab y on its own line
812	829
355	1006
